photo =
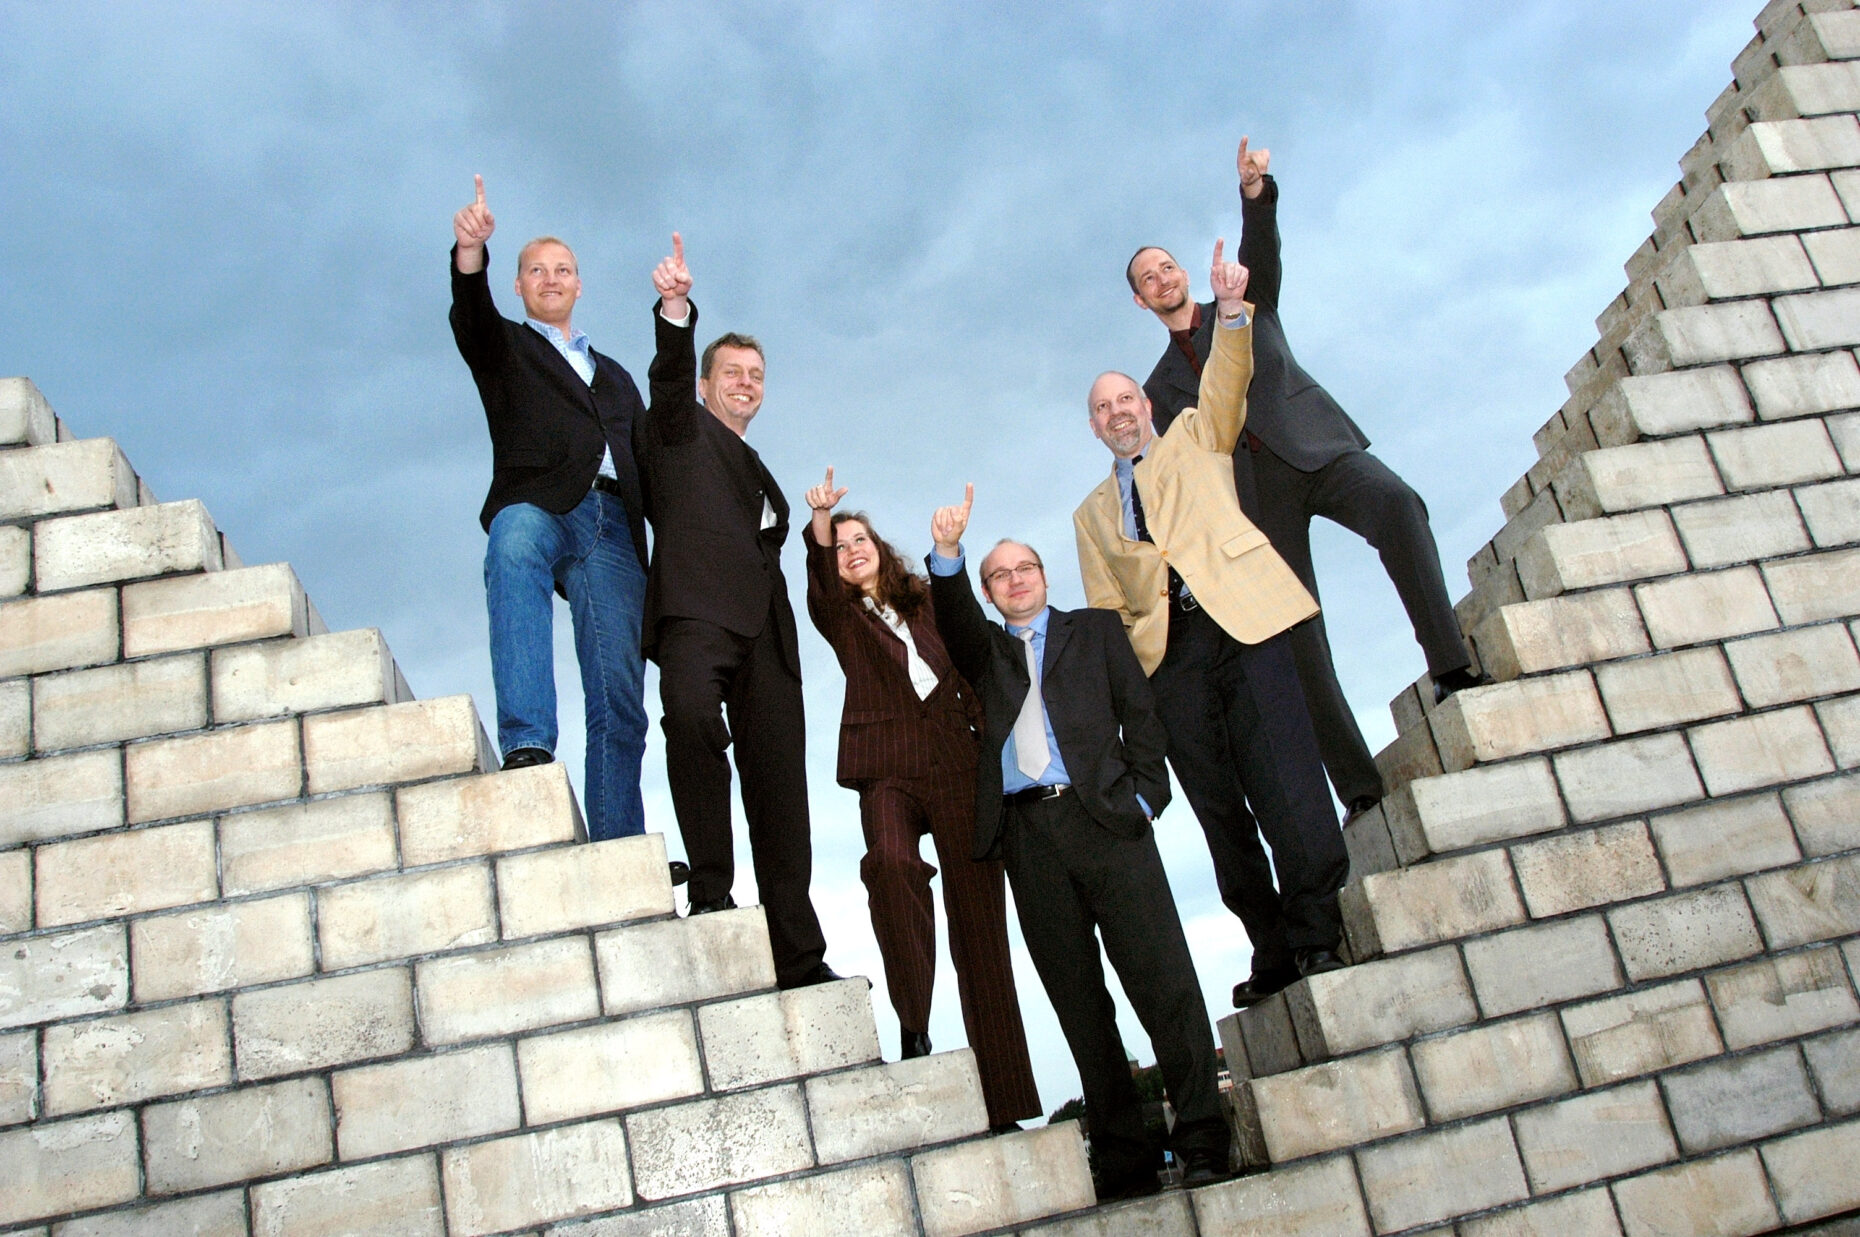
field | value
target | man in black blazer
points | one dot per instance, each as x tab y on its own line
1070	777
719	625
1303	456
565	512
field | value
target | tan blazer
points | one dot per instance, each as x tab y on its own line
1186	481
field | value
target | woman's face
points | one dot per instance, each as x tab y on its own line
858	555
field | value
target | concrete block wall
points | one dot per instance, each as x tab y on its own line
279	954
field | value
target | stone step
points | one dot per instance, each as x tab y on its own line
1560	558
228	607
305	675
1481	725
26	420
65	478
112	547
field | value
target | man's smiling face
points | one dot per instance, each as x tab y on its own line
733	388
1120	415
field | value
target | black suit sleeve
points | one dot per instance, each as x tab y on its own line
1145	740
959	620
1259	245
672	378
477	327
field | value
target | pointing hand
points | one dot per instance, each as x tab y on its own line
1229	281
473	225
949	523
824	497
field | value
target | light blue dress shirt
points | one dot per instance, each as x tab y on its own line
579	354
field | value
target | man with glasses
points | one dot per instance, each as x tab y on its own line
1070	777
1207	602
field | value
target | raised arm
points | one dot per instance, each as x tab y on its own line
475	325
959	618
826	594
471	228
1259	225
672	377
1221	402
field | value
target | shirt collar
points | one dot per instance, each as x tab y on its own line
1038	624
578	341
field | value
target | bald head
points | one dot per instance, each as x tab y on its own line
1119	413
1014	579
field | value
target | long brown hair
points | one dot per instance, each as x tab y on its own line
898	586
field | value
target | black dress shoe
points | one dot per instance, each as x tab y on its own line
1357	806
524	757
1136	1183
820	974
913	1044
1458	680
1262	984
1005	1127
681	871
725	903
1201	1168
1317	961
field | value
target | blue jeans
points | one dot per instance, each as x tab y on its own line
589	553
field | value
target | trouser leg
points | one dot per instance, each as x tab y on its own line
697	661
606	589
897	885
520	559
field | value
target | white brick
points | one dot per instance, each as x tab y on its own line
611	1067
497	812
111	703
424	1100
1001	1181
204	1215
1651	693
1492	1067
1627	777
1812	321
1784	745
45	978
236	1135
1657	405
1602	1134
109	1062
1755	208
1439	814
1376	1003
400	1197
1721	270
1813	902
1834	1060
717	1142
221	947
1440	901
1684	932
678	961
583	886
306	843
785	1034
1483	724
699	1217
1640	1032
1434	1176
1813	1172
1305	1200
1836	255
61	795
80	550
1831	511
1739	1099
1795	665
210	772
1727	1195
535	1178
885	1108
1779	147
217	608
1800	386
1845	431
15	718
302	676
1591	868
56	633
15	893
1840	722
64	477
1528	968
15	560
25	418
405	915
1558	632
324	1022
1815	586
1642	474
873	1198
1826	814
1410	755
1726	838
1635	546
1736	530
517	988
118	874
1782	453
1589	1212
1702	335
1696	608
393	743
1782	998
68	1166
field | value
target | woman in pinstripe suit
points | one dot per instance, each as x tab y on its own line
908	745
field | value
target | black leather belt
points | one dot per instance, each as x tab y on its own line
1037	794
607	485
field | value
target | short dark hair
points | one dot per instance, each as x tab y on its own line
729	339
1130	278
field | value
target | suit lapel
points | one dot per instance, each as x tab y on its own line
1058	631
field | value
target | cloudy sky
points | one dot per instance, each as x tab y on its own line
225	228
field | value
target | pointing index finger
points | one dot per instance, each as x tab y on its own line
829	476
968	496
478	182
1219	244
678	247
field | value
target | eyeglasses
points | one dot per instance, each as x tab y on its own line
1001	575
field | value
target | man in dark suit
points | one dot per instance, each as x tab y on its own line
719	625
1070	777
1302	456
565	512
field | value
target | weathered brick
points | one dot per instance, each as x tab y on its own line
1684	932
404	915
484	815
1836	255
1815	586
1726	1195
15	718
1759	207
217	608
1640	1032
204	1215
1782	998
68	1166
63	477
786	1034
392	743
885	1108
1440	901
1741	529
392	1196
1644	474
610	1067
231	946
1826	814
424	1100
81	550
1638	545
1763	749
1811	321
1739	1099
109	1062
698	1217
1591	868
1434	1176
1834	1061
1813	902
1801	386
682	960
1831	511
1722	270
1795	665
19	1077
1409	756
583	886
38	634
322	1023
1482	724
1267	1041
306	843
1439	814
25	418
1845	431
1601	1134
1320	1196
15	891
15	561
534	1178
1491	1067
1710	606
1657	405
210	772
1527	968
1840	724
236	1135
1813	1172
517	988
1702	335
1782	453
45	978
116	874
302	675
1651	693
108	704
1380	1002
1588	1212
61	795
873	1198
996	1182
1367	842
1728	838
717	1142
1627	776
1561	631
